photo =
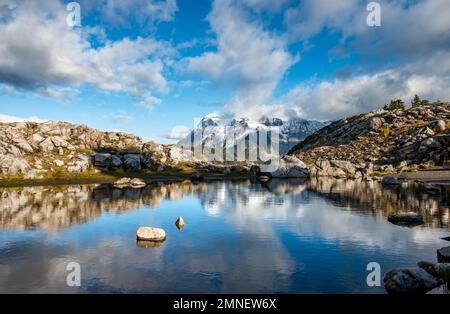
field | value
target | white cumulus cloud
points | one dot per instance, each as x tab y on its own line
39	53
248	55
4	118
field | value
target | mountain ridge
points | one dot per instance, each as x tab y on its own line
213	129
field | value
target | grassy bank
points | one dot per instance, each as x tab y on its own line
97	177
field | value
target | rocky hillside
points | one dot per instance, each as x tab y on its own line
36	150
381	140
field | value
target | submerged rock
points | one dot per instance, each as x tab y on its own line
180	223
443	255
410	280
409	218
150	234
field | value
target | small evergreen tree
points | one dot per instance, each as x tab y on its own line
395	104
417	102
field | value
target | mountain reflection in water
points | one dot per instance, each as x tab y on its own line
52	208
284	236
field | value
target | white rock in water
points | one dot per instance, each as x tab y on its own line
135	183
150	234
138	183
123	182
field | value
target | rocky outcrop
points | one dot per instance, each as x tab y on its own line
390	141
340	169
9	164
410	280
291	167
35	150
438	270
417	280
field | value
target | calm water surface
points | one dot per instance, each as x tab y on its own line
240	237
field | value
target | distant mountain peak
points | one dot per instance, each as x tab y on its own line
213	129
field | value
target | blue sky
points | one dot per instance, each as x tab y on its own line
152	67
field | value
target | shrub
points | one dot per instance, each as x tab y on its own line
386	131
417	102
395	104
436	102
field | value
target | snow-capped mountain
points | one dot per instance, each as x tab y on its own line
212	129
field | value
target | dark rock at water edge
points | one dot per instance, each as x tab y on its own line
409	218
438	270
391	181
410	280
196	176
443	255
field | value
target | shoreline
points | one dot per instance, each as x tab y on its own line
109	179
438	176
